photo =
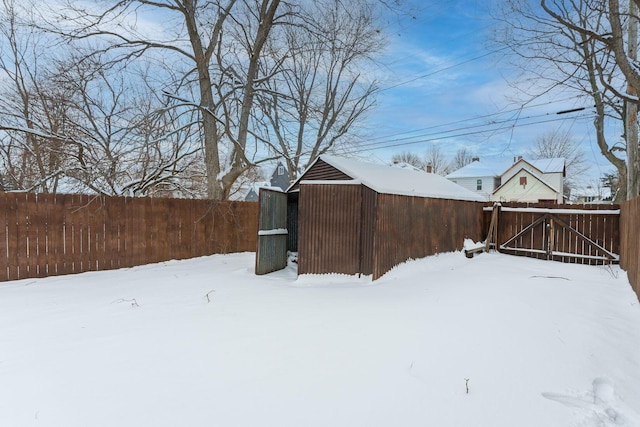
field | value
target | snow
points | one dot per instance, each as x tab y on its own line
470	245
405	165
392	180
576	211
272	232
498	168
551	165
205	342
478	169
331	182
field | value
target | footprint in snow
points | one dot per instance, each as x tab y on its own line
600	407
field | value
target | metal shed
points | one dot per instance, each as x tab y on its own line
345	216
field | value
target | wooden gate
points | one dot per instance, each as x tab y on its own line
586	234
271	254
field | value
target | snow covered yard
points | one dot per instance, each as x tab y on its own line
540	343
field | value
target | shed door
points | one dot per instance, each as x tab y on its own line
271	254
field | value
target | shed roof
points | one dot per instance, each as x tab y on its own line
406	182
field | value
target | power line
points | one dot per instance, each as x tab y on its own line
518	109
494	125
422	76
374	146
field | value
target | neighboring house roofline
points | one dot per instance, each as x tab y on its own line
530	172
275	170
499	168
551	165
513	167
473	170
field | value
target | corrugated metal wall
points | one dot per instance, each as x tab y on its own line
292	221
352	229
271	254
368	215
416	227
329	228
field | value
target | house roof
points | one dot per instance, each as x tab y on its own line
275	168
405	165
477	169
498	168
552	165
591	191
393	180
530	172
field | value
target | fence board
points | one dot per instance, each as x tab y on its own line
4	249
630	244
564	244
65	235
22	231
46	235
37	246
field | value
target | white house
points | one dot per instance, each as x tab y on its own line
479	177
591	193
532	181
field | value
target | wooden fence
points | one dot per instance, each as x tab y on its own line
584	234
45	235
630	242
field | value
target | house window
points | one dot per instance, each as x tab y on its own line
280	170
479	184
523	180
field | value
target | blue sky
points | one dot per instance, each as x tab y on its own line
443	85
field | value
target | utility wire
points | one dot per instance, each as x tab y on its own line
481	125
467	120
492	126
379	146
440	70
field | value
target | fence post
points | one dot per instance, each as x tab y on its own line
547	242
492	235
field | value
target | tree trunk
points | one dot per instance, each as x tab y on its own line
631	124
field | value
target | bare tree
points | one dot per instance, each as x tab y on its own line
437	160
561	145
220	58
462	158
321	93
613	183
126	141
577	46
32	110
410	159
268	78
215	63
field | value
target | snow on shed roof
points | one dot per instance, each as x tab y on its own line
392	180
